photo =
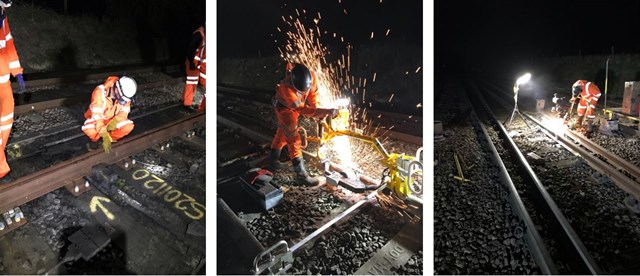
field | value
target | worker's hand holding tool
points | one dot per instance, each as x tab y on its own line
112	125
23	86
334	112
106	141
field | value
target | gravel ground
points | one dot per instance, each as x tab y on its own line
595	210
473	221
349	245
413	266
56	217
295	217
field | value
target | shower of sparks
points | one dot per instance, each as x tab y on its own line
388	30
391	98
393	202
371	35
417	70
419	105
345	11
334	82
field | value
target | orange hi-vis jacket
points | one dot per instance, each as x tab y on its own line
103	109
9	65
289	104
199	75
589	96
200	59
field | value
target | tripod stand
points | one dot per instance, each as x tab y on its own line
516	88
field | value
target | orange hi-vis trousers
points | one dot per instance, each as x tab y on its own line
287	133
6	122
190	86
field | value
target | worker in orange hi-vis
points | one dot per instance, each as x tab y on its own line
589	95
107	116
9	65
296	94
196	66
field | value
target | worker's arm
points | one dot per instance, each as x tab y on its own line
196	38
288	98
123	115
97	107
12	54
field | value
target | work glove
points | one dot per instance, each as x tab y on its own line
328	112
334	113
112	125
106	141
23	86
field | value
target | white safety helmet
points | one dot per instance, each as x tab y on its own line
5	3
126	88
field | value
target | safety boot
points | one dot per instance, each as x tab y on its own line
6	179
579	121
274	160
91	146
301	173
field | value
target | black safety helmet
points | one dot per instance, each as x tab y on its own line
301	77
577	89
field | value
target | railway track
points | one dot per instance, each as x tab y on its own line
327	231
583	184
136	208
480	225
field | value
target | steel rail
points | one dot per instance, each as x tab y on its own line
617	177
610	157
38	106
40	183
578	257
630	185
325	227
82	77
536	245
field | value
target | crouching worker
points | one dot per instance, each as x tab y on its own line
107	117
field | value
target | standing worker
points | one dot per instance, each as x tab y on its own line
107	116
9	65
589	94
196	67
296	94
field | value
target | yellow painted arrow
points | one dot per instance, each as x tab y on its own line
96	202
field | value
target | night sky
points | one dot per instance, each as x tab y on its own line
245	26
506	34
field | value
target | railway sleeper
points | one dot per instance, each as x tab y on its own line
78	186
11	220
